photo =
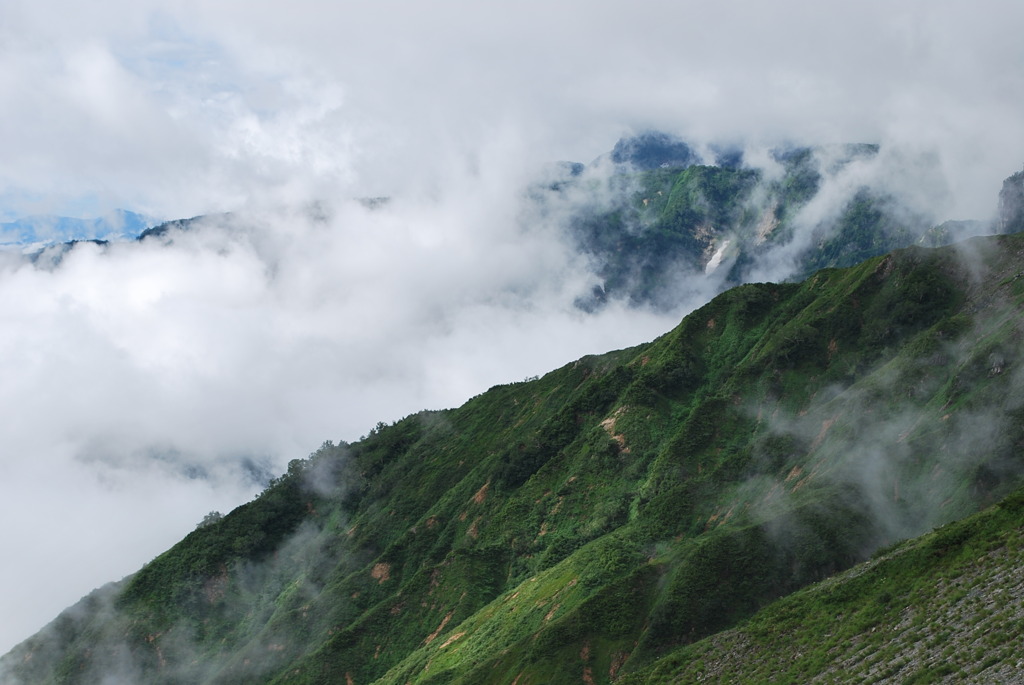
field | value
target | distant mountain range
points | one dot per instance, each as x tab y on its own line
34	232
655	216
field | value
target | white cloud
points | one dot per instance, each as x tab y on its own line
145	382
183	107
262	338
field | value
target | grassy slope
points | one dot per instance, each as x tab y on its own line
944	607
586	524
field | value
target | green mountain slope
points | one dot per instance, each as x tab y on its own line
584	525
945	607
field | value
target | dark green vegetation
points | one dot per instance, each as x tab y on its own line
945	607
588	525
1011	204
661	218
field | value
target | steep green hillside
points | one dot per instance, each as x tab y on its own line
945	607
586	524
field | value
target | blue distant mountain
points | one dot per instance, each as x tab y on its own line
46	229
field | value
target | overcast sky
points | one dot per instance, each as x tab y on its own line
139	381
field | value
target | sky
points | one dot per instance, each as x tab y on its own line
148	384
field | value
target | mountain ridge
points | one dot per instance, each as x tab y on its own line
658	216
621	506
48	229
